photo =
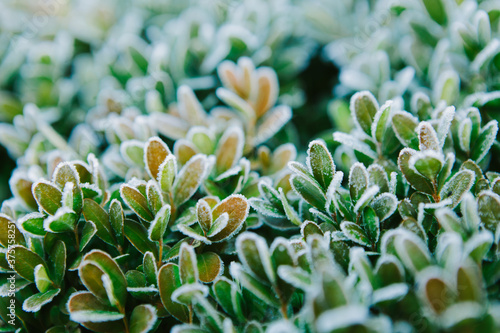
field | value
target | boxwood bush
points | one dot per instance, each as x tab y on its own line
250	166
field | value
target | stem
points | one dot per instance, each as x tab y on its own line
284	309
190	314
160	256
77	239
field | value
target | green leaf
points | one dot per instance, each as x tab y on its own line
168	281
155	152
210	266
25	262
42	280
143	318
457	186
436	10
87	310
229	149
484	141
149	268
309	190
9	232
237	208
363	107
136	201
47	196
62	221
188	265
154	196
355	233
219	224
266	208
228	297
57	263
189	179
371	223
412	251
35	302
320	163
358	181
417	181
204	215
427	137
116	219
290	212
404	125
32	224
488	204
380	122
64	174
117	288
378	176
254	255
309	228
427	163
93	212
137	234
132	151
259	289
384	205
159	224
167	173
88	232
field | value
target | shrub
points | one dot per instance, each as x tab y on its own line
161	183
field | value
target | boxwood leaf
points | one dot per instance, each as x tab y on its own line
42	280
159	225
404	125
427	137
254	254
136	201
457	186
89	230
116	219
412	251
428	163
167	173
418	182
320	163
137	234
309	190
93	212
155	152
229	149
87	310
237	208
168	281
47	196
204	214
117	283
259	289
210	266
189	179
358	181
484	141
355	233
380	121
364	106
8	227
188	265
62	221
154	196
143	318
35	302
488	204
25	262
